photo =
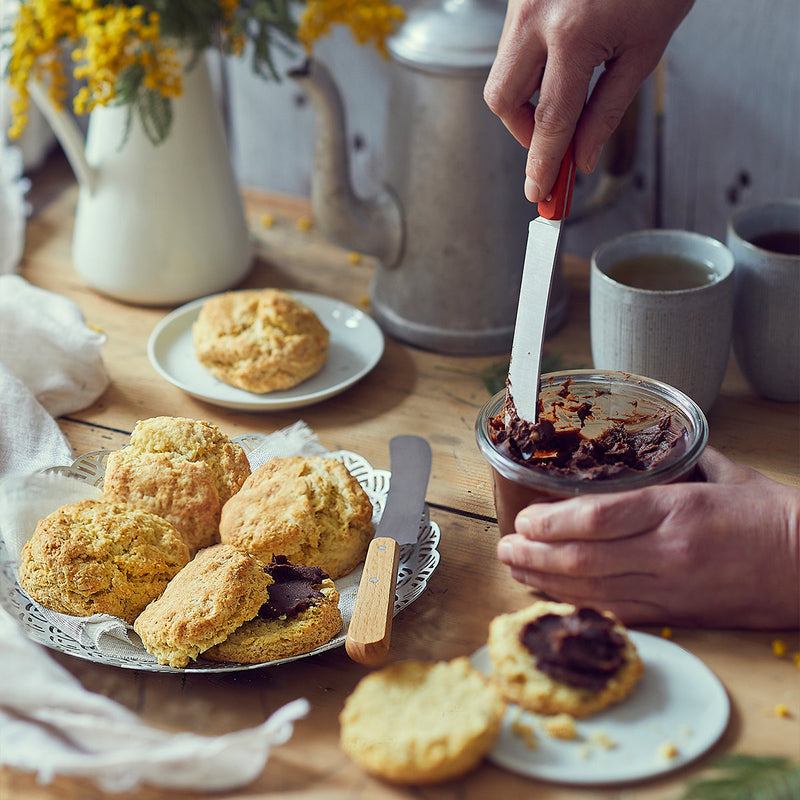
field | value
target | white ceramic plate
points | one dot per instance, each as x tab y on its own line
356	346
678	700
417	563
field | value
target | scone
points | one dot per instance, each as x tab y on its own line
216	592
182	469
94	557
421	722
553	658
311	510
301	613
259	340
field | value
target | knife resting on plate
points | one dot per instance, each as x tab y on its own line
370	629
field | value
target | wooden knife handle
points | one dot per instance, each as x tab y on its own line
370	628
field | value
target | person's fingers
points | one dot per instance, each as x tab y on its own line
634	556
561	99
630	603
717	468
612	94
610	516
514	78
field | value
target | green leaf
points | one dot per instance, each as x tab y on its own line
746	777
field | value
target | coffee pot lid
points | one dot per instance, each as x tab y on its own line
450	35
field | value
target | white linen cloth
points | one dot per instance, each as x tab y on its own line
50	724
50	364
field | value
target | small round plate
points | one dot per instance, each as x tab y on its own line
356	346
678	701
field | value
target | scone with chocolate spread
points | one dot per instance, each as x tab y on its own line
182	469
94	557
215	593
301	613
553	658
260	340
419	722
311	510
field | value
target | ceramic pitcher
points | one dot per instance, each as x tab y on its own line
156	224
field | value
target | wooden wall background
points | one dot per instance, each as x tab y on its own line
718	125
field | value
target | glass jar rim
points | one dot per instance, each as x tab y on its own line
671	398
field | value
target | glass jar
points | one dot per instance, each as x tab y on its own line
635	401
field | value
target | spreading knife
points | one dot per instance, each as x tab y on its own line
370	629
541	253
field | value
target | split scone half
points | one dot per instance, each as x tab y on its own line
554	658
417	722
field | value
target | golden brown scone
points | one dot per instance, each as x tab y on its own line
523	679
215	593
181	469
302	613
260	340
421	722
94	557
312	510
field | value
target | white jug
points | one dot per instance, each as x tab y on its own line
156	224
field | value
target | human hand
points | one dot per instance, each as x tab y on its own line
553	46
724	553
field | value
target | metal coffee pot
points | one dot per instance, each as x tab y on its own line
450	226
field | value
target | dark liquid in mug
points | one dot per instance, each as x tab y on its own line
784	242
661	272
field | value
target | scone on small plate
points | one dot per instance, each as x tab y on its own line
310	509
260	340
95	557
182	469
417	722
554	658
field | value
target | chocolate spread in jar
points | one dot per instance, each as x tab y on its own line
293	590
619	450
581	649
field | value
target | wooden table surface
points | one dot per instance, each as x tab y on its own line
410	391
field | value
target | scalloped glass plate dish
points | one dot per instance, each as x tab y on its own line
678	703
417	563
356	346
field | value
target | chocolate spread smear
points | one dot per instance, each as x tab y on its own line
581	649
293	590
618	450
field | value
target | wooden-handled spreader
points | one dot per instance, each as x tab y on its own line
370	630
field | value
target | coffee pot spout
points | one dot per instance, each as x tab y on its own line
371	226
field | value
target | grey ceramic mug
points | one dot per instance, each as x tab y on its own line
766	333
679	336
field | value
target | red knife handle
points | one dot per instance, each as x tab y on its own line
370	630
559	201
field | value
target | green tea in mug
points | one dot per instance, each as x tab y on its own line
661	272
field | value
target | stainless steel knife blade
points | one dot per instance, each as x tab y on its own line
541	253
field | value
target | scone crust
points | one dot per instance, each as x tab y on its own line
182	492
312	510
196	440
181	469
260	340
96	557
421	722
261	640
215	593
514	668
